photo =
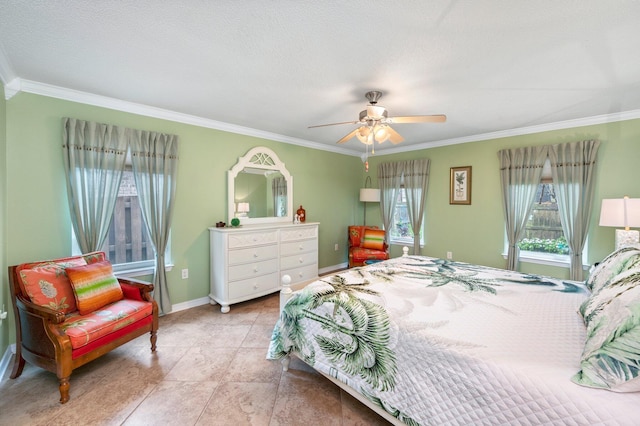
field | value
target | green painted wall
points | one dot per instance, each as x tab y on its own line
36	222
325	183
4	285
475	233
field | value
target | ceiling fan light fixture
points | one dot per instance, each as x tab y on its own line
374	123
363	134
381	132
376	112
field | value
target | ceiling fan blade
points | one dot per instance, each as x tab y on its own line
394	136
349	136
438	118
333	124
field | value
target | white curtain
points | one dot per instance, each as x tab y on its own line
154	157
415	175
416	180
573	171
389	179
94	159
520	173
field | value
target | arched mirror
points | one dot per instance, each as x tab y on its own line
260	189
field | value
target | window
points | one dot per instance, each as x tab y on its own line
128	240
401	231
543	230
128	246
543	240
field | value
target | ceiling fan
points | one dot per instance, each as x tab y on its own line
375	123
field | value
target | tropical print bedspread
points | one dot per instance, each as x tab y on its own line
437	342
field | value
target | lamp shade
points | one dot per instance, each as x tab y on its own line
365	135
369	195
620	212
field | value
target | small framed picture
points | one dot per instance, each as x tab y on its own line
460	185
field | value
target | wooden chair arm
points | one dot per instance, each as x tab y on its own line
47	314
144	286
142	289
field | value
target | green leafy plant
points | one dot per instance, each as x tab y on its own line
556	246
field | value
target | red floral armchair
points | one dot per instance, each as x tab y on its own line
367	244
71	311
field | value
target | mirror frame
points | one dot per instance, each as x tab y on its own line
259	157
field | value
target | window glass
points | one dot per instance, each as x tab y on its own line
401	231
128	240
128	246
543	230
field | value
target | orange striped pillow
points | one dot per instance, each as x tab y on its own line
373	239
94	286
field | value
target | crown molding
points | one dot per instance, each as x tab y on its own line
559	125
149	111
11	88
6	70
16	85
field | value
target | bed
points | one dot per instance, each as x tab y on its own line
426	341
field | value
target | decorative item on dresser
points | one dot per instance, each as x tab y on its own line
249	261
259	183
302	214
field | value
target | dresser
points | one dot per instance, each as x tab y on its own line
249	261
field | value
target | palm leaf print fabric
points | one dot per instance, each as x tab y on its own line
434	342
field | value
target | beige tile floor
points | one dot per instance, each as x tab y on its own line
209	369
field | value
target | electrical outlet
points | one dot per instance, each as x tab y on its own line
335	247
449	255
185	274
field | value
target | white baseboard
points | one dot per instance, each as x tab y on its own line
205	300
11	350
332	268
189	304
6	359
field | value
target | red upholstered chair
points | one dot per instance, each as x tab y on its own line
366	245
71	311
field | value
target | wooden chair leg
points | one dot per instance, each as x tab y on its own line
18	365
64	389
154	337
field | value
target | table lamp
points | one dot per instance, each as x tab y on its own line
622	212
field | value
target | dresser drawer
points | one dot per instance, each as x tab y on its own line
296	247
301	259
298	233
246	239
302	273
257	285
253	254
253	269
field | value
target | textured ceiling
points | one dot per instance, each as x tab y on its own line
280	66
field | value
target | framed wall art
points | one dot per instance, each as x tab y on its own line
460	185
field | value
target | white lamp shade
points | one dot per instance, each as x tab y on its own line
243	208
364	135
381	133
369	195
620	212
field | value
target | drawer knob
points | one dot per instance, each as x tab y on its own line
301	260
255	269
255	286
255	254
300	247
